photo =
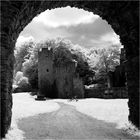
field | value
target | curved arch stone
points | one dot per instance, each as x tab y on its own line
123	16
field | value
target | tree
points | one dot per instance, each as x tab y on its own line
32	73
63	51
108	59
22	53
17	77
62	55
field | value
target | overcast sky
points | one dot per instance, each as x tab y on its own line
79	26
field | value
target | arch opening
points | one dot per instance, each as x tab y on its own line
101	37
131	52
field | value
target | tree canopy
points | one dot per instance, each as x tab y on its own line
63	51
105	60
90	63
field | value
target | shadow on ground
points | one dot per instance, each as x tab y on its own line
68	123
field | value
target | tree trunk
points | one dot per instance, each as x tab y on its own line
108	82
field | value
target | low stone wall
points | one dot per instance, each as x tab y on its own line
112	93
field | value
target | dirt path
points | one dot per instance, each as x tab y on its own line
68	123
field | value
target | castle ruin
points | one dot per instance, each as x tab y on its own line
57	81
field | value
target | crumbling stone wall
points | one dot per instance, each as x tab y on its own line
64	75
45	72
123	16
55	80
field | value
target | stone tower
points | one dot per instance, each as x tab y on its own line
45	72
56	80
64	79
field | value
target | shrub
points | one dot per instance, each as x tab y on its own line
18	76
22	85
23	81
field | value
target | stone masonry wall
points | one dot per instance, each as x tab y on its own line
123	16
132	68
54	80
64	75
45	72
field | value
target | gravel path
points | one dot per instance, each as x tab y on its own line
68	123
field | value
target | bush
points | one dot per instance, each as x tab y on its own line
22	86
17	78
22	82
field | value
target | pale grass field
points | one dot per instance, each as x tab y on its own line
108	110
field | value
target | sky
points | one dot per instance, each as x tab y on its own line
77	25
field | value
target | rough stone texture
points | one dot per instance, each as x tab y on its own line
55	80
132	70
45	72
123	16
118	77
64	80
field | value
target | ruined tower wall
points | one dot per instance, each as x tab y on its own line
64	80
45	72
57	80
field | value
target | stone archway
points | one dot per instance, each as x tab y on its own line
123	16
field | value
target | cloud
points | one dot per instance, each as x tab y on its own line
111	37
94	29
65	17
77	25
